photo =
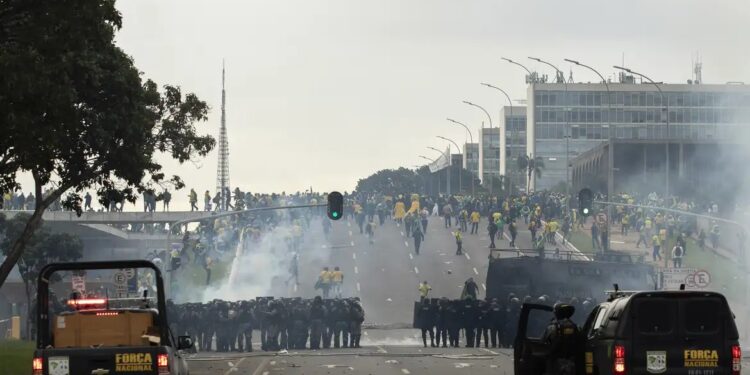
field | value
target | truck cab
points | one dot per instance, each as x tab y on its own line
657	332
105	318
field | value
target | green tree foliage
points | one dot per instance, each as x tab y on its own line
76	114
391	181
43	248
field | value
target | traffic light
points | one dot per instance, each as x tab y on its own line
335	205
585	202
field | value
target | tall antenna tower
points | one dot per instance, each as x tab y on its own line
222	170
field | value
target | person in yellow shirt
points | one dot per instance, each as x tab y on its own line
399	211
656	242
424	290
337	281
475	221
324	281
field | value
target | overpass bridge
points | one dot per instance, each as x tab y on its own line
93	217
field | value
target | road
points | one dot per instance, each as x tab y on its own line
385	275
398	360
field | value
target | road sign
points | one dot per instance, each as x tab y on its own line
672	278
79	283
120	279
699	280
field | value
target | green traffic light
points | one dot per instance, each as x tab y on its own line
585	211
335	214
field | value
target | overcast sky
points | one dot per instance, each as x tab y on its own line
321	93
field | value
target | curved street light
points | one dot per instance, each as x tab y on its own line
611	148
471	138
560	73
482	108
666	109
510	103
460	184
426	158
516	63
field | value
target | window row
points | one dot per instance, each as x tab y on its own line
654	115
583	131
642	99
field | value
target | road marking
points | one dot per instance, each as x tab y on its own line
354	256
402	234
490	351
411	256
234	366
352	243
475	271
484	286
406	243
467	256
356	270
358	289
349	224
613	241
405	371
416	270
350	233
381	350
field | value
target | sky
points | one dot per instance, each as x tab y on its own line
321	93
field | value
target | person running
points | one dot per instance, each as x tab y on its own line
424	289
418	236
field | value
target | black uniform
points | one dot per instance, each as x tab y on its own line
561	336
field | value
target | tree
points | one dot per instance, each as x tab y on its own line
76	114
533	167
42	248
390	181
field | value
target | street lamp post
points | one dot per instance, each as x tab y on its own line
482	108
519	64
502	132
567	124
471	138
448	174
460	184
610	152
666	109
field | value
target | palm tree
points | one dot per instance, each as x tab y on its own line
532	166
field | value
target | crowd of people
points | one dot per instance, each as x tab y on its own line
491	320
282	323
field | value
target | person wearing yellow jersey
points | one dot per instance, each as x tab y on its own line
324	281
475	222
656	242
399	211
337	281
424	290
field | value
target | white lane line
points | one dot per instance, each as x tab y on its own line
265	372
402	234
356	270
354	256
475	271
358	288
406	243
381	350
405	371
235	366
350	233
490	351
467	256
349	224
352	243
411	256
484	286
416	270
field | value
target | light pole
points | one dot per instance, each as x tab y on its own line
567	124
460	184
666	109
482	108
502	133
448	174
610	152
516	63
471	138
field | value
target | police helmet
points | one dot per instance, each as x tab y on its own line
563	310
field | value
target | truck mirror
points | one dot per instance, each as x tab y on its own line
184	342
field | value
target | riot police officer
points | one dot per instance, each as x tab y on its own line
426	320
562	337
318	314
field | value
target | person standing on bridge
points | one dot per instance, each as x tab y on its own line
193	198
166	198
87	202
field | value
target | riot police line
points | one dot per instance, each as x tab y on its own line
284	323
494	321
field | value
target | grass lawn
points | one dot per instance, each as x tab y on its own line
726	275
15	357
581	241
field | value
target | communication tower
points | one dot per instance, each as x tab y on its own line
222	170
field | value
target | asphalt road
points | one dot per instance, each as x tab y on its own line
385	274
368	360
